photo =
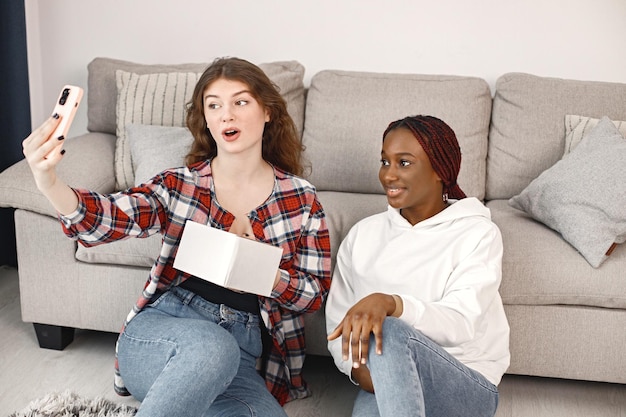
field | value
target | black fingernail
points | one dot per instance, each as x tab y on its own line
61	137
55	116
62	151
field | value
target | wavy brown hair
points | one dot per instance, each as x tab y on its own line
281	144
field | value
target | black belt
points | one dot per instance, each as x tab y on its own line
219	295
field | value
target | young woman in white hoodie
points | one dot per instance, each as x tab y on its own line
414	316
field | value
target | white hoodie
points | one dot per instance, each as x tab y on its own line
446	269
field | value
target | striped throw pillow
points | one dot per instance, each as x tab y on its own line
577	127
157	99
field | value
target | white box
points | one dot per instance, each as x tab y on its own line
228	260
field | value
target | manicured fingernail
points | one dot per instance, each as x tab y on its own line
55	116
61	137
363	361
355	365
62	151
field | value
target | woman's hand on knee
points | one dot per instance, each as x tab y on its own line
364	318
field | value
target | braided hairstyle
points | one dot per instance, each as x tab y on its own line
440	144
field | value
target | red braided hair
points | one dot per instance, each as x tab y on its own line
440	144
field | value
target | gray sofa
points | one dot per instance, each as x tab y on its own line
567	318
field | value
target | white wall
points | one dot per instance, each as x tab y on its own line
578	39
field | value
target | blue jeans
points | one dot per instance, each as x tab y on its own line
416	377
184	356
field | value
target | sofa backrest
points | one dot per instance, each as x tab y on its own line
102	88
122	93
347	113
527	133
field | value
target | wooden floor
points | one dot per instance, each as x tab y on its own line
85	367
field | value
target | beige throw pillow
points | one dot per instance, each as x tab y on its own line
149	99
577	127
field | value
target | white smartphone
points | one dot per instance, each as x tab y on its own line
66	106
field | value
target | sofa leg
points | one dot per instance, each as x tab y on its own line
53	337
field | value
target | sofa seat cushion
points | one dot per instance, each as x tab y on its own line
343	210
540	268
347	113
131	252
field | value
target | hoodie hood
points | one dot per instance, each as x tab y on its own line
458	209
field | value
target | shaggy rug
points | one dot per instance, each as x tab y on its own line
68	404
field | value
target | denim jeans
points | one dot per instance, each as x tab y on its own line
416	377
184	356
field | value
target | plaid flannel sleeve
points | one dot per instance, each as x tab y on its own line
137	212
305	279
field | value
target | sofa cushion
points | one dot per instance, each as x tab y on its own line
527	134
343	210
103	94
347	113
577	127
88	163
540	268
132	252
156	148
582	195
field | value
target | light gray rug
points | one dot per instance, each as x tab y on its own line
68	404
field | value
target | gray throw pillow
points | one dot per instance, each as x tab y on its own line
582	196
156	148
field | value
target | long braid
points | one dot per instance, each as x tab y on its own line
440	144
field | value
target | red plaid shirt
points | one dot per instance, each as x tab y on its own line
291	218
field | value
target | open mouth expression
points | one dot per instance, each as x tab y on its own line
234	117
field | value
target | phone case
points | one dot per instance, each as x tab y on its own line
66	107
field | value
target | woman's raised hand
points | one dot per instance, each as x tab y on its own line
43	154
